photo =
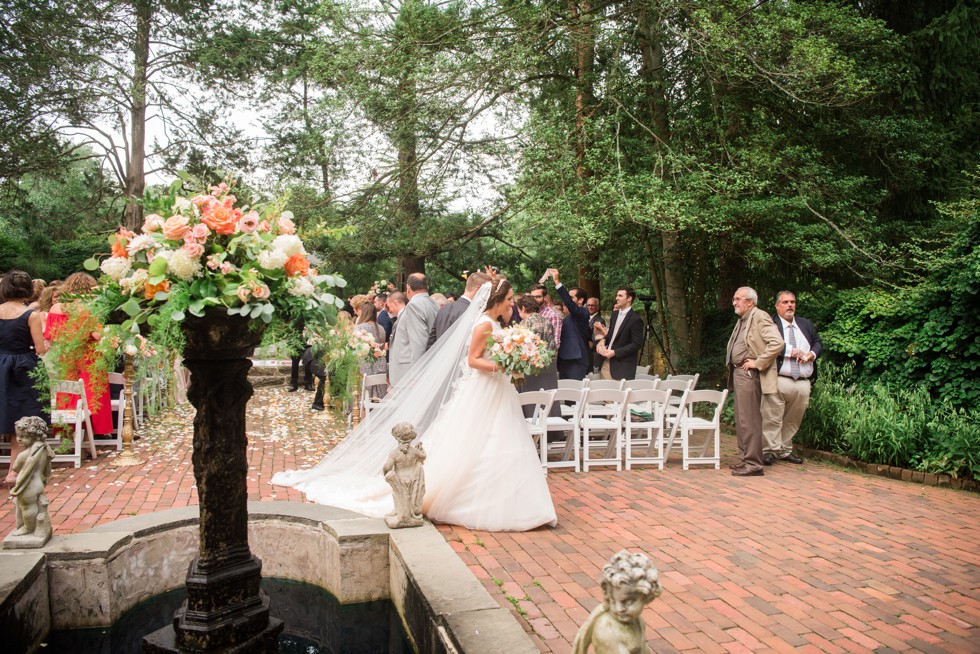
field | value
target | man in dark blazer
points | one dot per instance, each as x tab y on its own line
595	316
783	410
451	311
573	351
620	343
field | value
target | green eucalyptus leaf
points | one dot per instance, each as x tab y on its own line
158	267
156	279
91	264
161	296
131	308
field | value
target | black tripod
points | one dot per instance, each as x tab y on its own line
648	329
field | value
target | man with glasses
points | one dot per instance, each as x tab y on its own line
751	354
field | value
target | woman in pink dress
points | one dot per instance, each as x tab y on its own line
95	381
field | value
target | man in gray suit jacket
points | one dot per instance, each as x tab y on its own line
411	336
453	310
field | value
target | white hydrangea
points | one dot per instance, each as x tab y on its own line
180	204
301	287
183	266
116	267
135	281
288	243
272	259
141	242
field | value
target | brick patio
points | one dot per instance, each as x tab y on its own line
809	558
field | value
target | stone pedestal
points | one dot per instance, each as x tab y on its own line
225	611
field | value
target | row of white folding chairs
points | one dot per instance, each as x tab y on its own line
603	420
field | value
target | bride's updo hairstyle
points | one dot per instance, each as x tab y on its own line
498	293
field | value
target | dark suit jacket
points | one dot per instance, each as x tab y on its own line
806	326
627	345
447	315
574	330
385	321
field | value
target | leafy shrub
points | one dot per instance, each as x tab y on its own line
954	444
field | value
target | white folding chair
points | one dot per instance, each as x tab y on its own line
673	412
79	418
538	422
575	384
688	378
677	388
643	375
644	433
642	370
569	425
640	385
118	405
691	423
606	384
603	413
369	403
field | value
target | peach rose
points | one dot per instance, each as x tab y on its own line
175	227
264	226
221	218
150	290
296	265
243	293
198	233
286	226
261	292
152	223
122	240
193	249
201	200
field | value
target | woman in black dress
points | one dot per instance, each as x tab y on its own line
21	344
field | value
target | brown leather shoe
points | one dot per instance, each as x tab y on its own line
745	471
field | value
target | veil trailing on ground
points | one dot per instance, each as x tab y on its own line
350	476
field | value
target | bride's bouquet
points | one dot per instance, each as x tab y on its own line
519	351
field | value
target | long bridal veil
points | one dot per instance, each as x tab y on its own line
350	476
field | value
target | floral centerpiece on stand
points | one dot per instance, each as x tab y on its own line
519	351
382	286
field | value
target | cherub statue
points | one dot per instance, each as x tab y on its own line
403	472
629	582
33	466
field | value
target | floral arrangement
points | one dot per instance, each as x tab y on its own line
364	346
519	351
382	286
211	252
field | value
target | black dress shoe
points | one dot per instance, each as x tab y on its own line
308	386
746	471
293	389
768	459
317	407
792	458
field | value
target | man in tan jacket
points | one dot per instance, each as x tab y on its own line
752	350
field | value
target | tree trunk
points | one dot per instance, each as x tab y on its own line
135	164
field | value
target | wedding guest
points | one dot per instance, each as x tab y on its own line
592	304
451	297
368	324
57	328
573	353
439	299
547	378
21	343
540	293
356	303
39	286
411	338
619	345
380	303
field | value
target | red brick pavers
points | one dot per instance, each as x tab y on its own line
808	558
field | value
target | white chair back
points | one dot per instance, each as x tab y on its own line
677	386
369	403
689	378
118	405
645	428
576	384
640	384
648	377
602	427
691	423
78	419
606	384
563	434
538	422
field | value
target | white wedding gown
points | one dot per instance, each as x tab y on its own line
482	470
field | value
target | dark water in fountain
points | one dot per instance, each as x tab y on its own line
316	623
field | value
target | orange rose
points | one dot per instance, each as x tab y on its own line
119	248
297	265
150	290
222	218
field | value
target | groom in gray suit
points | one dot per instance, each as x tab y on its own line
453	310
411	337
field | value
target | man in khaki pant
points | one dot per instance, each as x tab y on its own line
752	350
782	411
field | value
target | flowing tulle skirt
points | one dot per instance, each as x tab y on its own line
483	470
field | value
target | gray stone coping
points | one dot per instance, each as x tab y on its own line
90	579
893	472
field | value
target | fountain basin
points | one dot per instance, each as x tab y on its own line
91	579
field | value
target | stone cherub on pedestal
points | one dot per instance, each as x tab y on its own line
403	472
33	467
629	582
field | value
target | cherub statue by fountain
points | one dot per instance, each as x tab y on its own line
33	467
403	472
629	582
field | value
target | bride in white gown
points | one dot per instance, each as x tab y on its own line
482	469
